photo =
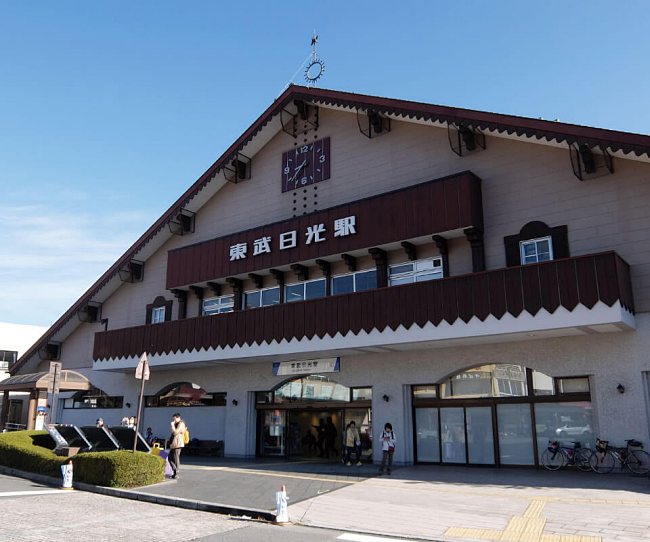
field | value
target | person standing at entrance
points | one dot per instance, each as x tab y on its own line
177	444
352	443
387	448
330	438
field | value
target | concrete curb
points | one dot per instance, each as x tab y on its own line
189	504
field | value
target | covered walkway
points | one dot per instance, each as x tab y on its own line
38	385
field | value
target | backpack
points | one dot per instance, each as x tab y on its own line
186	435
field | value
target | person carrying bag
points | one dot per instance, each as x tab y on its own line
387	448
177	443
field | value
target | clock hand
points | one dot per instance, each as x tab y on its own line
298	170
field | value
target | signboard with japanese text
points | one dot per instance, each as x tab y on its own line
307	366
435	207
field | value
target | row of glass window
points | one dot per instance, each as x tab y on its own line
360	281
499	380
531	251
466	435
180	394
313	388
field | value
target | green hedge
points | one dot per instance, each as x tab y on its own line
119	469
31	451
21	450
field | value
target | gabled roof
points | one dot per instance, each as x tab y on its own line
268	124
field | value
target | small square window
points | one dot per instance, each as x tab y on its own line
572	385
361	394
428	391
218	305
157	315
418	271
536	250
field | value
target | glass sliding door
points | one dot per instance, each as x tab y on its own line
273	433
480	436
452	423
515	434
427	435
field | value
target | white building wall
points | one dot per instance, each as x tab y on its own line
608	359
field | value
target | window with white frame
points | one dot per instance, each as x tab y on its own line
354	282
7	359
157	315
418	271
536	250
262	298
301	291
218	305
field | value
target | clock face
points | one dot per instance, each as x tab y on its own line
306	164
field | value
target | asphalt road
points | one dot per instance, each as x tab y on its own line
39	513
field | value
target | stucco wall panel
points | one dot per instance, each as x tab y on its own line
608	359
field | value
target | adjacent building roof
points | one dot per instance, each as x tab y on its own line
269	123
68	381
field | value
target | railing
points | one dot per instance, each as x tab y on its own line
584	280
14	427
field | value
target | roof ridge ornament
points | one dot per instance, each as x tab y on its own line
316	67
313	67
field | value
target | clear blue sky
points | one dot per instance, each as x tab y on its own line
110	110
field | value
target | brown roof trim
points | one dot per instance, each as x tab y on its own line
510	124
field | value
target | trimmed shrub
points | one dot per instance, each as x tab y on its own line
18	449
119	469
31	451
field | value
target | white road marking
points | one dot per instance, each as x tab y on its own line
33	492
351	537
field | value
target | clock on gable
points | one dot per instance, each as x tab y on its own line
306	164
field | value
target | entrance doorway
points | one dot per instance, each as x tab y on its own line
315	434
305	418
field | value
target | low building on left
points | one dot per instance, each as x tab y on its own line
15	340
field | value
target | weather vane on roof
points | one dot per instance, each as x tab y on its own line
316	67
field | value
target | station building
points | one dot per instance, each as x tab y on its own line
481	281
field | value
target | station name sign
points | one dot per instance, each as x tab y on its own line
449	204
307	366
316	233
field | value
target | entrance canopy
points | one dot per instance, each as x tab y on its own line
68	381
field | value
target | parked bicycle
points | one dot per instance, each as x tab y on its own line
557	456
631	456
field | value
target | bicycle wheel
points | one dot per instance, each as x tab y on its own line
582	459
638	462
553	459
603	462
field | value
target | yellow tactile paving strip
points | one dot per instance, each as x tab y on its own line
526	528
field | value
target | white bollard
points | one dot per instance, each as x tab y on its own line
66	471
282	511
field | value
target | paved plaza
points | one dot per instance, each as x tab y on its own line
450	504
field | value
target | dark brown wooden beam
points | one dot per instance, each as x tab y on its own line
350	261
215	287
301	271
380	257
475	238
237	286
411	250
443	248
258	280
